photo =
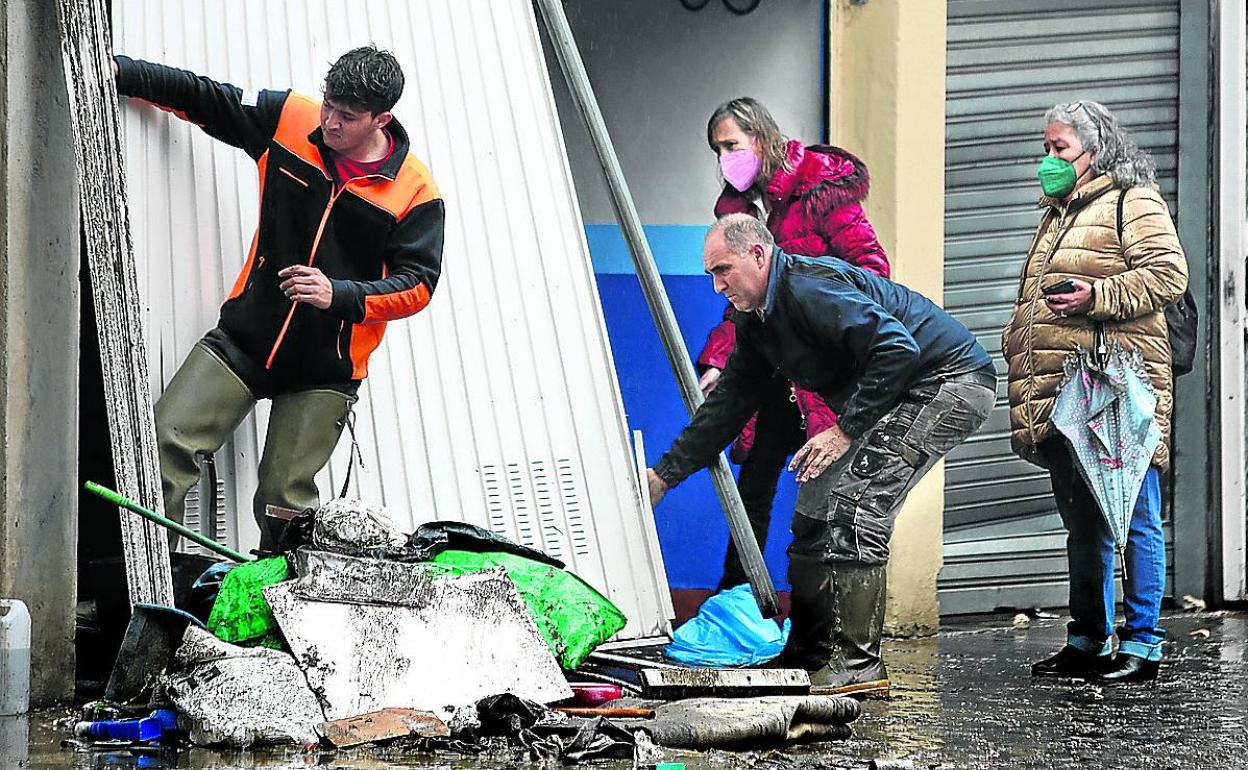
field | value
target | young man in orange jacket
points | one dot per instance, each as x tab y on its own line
349	238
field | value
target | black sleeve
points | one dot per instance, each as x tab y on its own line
721	417
838	317
413	259
220	109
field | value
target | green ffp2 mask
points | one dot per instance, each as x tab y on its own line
1057	176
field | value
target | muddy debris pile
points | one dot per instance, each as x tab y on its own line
353	634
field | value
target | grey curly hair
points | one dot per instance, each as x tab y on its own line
1100	133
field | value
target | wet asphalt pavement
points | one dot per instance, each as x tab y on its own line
963	699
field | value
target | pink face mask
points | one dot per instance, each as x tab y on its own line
740	168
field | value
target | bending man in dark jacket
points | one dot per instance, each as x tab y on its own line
349	237
909	383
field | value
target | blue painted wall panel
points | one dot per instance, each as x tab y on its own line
691	526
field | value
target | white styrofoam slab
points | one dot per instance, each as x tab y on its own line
449	643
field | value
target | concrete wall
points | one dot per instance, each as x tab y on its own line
39	245
887	103
660	70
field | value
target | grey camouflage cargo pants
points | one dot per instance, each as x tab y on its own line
846	514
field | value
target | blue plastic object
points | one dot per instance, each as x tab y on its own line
126	759
168	719
728	631
146	729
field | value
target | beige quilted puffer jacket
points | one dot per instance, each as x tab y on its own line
1133	282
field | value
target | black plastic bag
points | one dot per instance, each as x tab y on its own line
434	537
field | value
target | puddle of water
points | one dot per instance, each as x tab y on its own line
963	699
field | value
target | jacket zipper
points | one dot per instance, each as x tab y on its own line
291	175
320	229
1029	400
316	241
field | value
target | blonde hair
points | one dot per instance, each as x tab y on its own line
756	122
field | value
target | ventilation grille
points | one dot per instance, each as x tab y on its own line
570	491
539	504
210	522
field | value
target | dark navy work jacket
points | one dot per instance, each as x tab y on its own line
858	340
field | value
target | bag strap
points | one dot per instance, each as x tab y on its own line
355	455
1122	199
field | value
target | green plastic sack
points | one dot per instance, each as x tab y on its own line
241	615
571	616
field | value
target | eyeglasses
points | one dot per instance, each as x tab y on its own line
1079	105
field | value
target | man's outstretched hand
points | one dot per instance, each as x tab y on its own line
658	487
819	452
306	284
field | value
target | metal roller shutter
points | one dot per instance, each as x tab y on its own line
1008	61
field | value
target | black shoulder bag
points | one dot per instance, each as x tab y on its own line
1181	318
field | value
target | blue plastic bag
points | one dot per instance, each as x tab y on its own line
728	631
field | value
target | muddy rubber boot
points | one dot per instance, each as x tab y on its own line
854	666
303	430
200	408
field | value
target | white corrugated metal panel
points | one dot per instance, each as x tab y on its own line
1004	542
498	405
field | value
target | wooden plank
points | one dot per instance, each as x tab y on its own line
668	683
95	123
611	712
383	725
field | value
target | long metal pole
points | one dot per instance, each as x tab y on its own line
652	286
120	500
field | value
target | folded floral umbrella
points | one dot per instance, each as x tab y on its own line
1106	410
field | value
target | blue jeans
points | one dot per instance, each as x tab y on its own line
1090	552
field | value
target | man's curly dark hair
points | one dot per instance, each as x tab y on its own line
365	78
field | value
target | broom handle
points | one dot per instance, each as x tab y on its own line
121	500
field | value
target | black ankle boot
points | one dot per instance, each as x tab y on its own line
1072	662
1129	668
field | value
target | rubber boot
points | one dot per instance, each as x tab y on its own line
201	407
855	666
303	430
837	619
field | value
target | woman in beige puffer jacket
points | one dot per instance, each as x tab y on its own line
1123	281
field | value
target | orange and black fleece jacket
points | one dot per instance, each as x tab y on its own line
377	238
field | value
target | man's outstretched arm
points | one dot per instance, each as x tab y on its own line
720	418
222	110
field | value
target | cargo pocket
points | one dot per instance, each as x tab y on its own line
842	543
873	458
953	414
888	465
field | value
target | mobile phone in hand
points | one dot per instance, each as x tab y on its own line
1065	286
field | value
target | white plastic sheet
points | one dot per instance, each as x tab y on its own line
411	641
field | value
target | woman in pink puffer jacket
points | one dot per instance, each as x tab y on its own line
811	198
